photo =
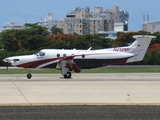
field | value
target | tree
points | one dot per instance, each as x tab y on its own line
10	40
34	36
55	30
61	40
100	41
125	39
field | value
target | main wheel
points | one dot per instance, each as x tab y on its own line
29	76
68	75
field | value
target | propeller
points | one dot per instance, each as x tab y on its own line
6	60
7	63
7	66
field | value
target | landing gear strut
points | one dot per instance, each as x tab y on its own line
67	75
29	75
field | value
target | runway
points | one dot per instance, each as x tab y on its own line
84	96
81	89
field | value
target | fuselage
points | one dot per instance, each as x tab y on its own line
48	58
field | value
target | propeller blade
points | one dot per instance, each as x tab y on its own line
7	67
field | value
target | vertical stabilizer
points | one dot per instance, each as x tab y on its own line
139	47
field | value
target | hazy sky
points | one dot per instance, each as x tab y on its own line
31	11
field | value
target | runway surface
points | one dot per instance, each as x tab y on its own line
92	96
106	88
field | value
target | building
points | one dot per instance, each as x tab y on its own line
48	22
82	21
151	26
113	15
12	26
120	27
109	34
76	21
98	24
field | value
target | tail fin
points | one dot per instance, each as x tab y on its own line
139	47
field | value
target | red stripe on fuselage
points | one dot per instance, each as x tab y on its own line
35	64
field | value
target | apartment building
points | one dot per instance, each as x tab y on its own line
82	21
76	21
48	22
12	26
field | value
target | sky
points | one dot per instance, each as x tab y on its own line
31	11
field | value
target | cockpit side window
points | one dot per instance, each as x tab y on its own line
40	53
37	53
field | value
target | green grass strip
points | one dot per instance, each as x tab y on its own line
96	70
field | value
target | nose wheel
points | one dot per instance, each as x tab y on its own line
29	75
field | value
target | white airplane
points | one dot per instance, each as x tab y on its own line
68	60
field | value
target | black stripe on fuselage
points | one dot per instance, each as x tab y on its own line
93	63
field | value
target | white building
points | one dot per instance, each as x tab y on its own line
151	26
48	22
12	26
120	27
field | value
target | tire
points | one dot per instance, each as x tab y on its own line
29	76
68	75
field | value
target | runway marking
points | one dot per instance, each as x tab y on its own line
21	93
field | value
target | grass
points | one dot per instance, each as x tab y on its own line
96	70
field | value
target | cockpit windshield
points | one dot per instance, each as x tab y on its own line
40	53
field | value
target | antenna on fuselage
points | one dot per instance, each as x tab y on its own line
89	48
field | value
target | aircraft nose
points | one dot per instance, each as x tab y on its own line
6	60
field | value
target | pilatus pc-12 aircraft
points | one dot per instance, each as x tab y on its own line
76	60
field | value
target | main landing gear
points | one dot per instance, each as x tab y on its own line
65	72
67	75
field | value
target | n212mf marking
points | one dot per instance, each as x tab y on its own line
121	49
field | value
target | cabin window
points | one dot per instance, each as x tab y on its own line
41	53
83	56
64	55
58	55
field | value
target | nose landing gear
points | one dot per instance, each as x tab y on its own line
29	75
